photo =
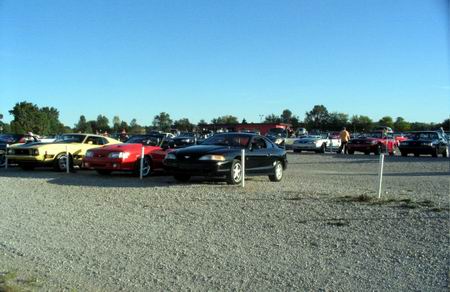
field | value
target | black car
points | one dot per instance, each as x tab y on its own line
10	139
220	156
425	142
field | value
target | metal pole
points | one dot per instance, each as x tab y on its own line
380	175
67	159
142	163
243	166
6	156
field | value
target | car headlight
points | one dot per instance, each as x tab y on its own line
373	142
35	152
213	157
89	154
171	156
427	144
115	155
10	151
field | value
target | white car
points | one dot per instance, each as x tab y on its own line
316	143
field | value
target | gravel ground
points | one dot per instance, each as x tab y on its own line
319	229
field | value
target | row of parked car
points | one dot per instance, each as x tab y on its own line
216	156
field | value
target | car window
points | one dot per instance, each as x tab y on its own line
258	143
105	141
94	140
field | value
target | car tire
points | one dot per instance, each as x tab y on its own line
416	154
278	172
445	153
148	169
59	164
297	150
378	150
404	154
2	161
182	177
435	152
367	152
234	177
322	148
351	152
104	171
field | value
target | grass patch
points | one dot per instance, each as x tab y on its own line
9	282
339	223
400	203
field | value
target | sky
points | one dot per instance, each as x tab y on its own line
201	59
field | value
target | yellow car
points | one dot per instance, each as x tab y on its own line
53	154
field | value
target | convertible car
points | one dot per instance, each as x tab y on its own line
316	143
127	156
376	142
220	156
425	142
53	154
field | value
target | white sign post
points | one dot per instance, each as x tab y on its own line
142	163
243	166
6	157
67	160
380	175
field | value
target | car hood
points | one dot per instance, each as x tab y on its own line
123	147
420	140
204	149
29	145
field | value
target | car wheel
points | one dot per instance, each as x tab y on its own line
351	152
322	148
378	150
104	171
59	164
182	177
367	152
416	154
445	153
404	154
435	152
297	150
278	172
2	160
147	167
235	175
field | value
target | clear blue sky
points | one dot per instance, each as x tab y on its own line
203	59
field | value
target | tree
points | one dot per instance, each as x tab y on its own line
386	121
337	121
361	123
83	126
401	125
244	121
227	119
135	128
29	117
116	124
272	118
286	116
446	125
103	124
183	125
202	122
162	122
318	118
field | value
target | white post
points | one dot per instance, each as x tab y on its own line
243	166
6	157
67	160
142	163
331	145
380	175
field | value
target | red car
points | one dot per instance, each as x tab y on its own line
375	142
127	156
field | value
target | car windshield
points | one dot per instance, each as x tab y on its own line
424	136
146	140
9	138
75	138
240	141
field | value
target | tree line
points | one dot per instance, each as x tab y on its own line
28	117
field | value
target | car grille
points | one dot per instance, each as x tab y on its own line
187	157
22	152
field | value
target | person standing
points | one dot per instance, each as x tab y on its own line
345	136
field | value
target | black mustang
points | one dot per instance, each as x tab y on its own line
220	156
425	142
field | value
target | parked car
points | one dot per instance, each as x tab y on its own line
316	143
220	156
425	142
126	156
375	142
7	140
30	155
185	139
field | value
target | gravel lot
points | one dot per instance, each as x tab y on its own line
312	231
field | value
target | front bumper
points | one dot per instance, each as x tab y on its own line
108	164
200	168
306	147
417	149
362	147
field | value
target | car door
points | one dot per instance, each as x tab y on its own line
258	155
